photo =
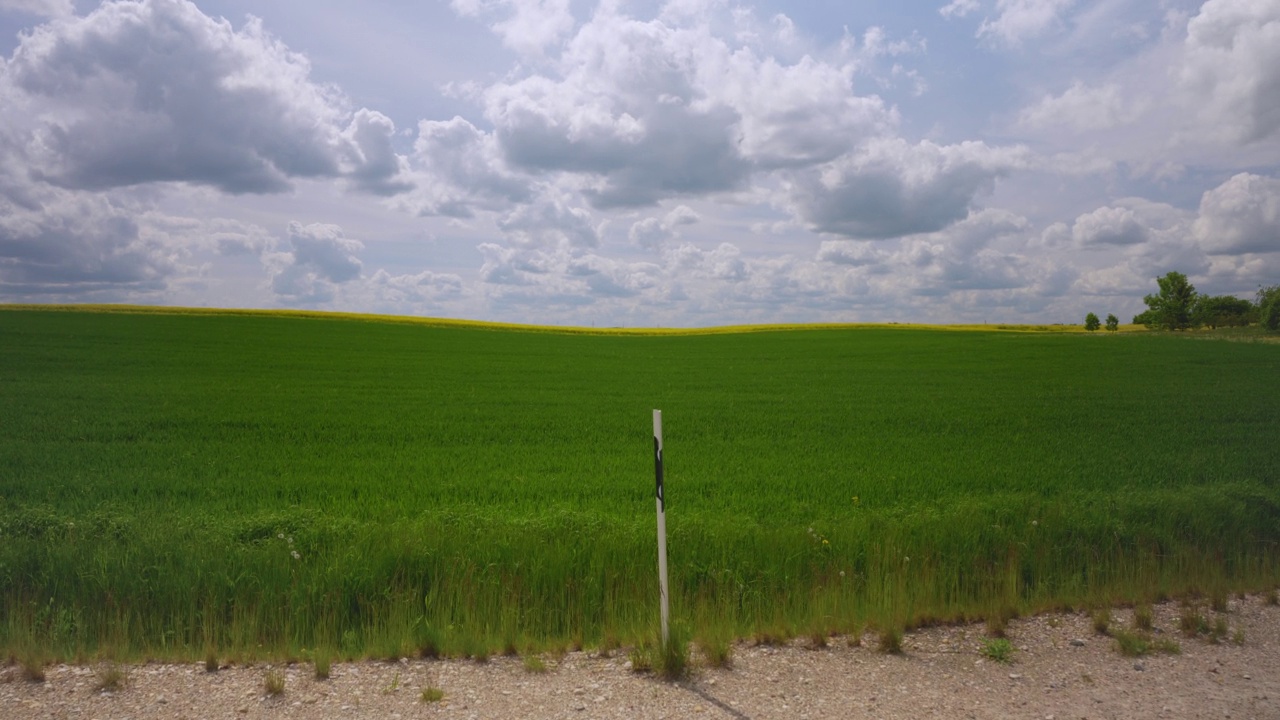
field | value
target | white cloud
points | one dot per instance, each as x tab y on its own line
892	188
1242	215
526	26
1109	226
652	110
549	222
156	91
1020	20
374	165
653	233
1081	108
1231	67
459	169
959	8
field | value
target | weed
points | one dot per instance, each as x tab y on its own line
717	651
1102	621
1191	622
211	662
395	683
1167	646
533	663
609	644
1219	631
1131	644
818	640
432	694
996	625
672	660
273	682
998	649
1219	602
641	657
322	662
1273	597
1238	637
1143	618
110	676
891	641
771	637
32	667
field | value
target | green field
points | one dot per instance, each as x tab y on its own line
264	485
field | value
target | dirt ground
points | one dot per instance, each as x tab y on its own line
1060	669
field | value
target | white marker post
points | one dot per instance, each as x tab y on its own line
662	519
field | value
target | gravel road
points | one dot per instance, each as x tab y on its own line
1060	669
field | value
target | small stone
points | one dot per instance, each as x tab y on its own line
1248	677
579	707
599	699
1077	643
1139	666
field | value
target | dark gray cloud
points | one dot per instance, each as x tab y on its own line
321	258
74	243
891	188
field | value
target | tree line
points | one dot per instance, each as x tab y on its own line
1177	306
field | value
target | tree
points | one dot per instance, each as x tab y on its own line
1268	305
1091	322
1173	306
1222	311
1113	322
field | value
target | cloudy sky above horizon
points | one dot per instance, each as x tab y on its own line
637	162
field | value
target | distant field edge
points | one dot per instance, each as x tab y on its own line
563	329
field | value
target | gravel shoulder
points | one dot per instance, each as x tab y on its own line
1061	669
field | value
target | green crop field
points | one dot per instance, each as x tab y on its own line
268	485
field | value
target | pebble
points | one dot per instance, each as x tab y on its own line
1139	666
1015	676
1077	643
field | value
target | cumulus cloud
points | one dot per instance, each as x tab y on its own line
526	26
321	257
1017	21
69	244
1109	226
153	91
654	109
548	222
958	8
374	166
1080	108
653	232
1231	67
1242	215
893	188
459	169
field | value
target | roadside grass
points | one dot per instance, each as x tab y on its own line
236	487
998	649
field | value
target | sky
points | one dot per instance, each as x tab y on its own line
640	163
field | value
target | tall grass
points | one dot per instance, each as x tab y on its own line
177	486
